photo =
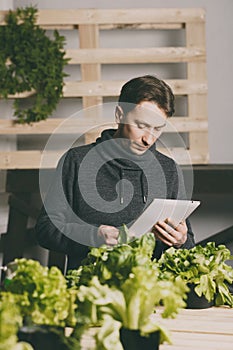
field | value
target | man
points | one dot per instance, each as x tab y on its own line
100	186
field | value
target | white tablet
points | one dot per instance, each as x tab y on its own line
161	209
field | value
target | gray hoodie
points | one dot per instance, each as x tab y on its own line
104	183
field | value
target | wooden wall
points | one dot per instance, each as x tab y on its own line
92	88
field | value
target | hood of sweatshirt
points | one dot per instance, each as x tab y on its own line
145	166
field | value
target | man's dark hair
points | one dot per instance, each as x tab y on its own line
147	88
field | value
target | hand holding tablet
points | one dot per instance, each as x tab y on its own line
159	210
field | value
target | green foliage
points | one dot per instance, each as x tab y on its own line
31	61
112	265
41	293
11	320
121	286
131	304
205	267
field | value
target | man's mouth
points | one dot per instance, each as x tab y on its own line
140	147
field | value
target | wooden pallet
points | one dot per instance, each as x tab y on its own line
92	88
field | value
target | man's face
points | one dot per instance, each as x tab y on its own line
141	127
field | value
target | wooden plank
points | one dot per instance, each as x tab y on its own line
135	55
140	15
183	156
54	125
132	26
215	331
28	159
197	104
202	322
39	160
200	325
202	338
3	14
198	340
111	16
142	26
80	125
89	38
112	88
186	124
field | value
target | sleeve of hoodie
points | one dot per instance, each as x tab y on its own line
180	193
58	228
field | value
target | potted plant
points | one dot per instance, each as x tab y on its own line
131	306
118	289
205	271
45	303
31	62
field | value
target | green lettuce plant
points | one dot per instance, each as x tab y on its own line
112	265
203	266
132	305
121	286
41	293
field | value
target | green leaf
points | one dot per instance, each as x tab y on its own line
123	235
204	266
31	61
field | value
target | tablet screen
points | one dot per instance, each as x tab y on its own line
159	210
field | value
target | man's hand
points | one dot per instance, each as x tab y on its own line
170	234
109	234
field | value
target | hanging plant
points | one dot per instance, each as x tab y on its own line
31	62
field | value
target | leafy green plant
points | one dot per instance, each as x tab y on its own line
132	305
205	267
112	265
11	320
121	286
41	293
31	62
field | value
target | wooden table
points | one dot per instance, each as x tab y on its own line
201	329
205	329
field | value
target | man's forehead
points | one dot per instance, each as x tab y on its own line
150	114
149	106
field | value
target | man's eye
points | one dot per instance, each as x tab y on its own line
141	126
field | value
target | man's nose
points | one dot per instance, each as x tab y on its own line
148	137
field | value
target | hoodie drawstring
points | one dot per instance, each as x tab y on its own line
121	186
143	185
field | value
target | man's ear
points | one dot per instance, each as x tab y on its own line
119	114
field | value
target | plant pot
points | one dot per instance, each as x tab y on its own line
42	337
131	339
195	302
